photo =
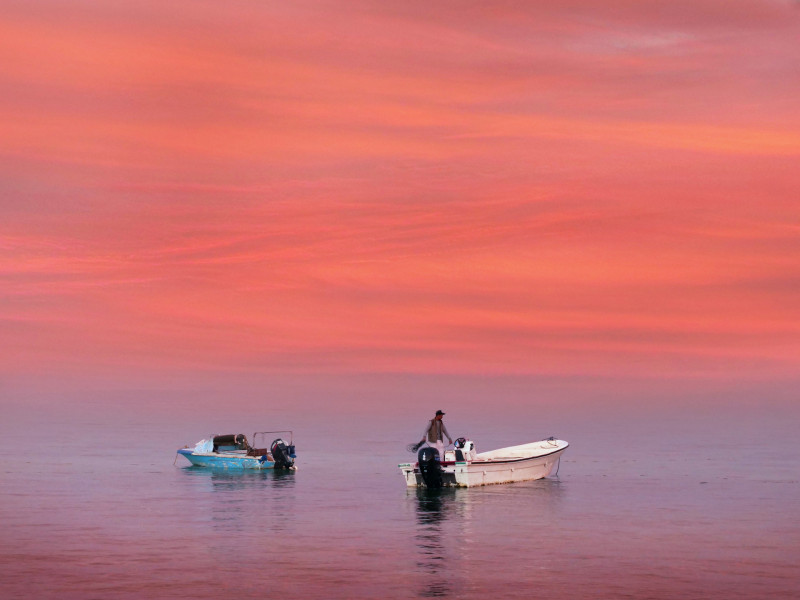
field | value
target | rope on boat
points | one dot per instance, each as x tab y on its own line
176	456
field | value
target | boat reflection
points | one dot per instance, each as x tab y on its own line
222	479
241	500
454	524
432	511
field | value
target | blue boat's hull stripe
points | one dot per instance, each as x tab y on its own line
227	462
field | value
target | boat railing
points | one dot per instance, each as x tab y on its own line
290	432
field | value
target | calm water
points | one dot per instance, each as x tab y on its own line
642	507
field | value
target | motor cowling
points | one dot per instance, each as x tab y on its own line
282	454
429	467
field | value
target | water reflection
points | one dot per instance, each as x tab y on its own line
455	523
433	509
238	479
239	500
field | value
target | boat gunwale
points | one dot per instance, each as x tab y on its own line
189	452
491	461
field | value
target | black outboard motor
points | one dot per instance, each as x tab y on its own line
282	454
429	467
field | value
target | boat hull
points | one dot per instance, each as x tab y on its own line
494	469
225	461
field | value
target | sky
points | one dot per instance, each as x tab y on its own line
567	190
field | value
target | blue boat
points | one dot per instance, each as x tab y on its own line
235	452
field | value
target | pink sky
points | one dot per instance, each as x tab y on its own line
577	189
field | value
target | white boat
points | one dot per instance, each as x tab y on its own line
462	467
235	452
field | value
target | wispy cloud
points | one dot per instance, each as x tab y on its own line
571	188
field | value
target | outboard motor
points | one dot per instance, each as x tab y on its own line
429	467
282	454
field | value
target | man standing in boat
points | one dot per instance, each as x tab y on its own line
434	433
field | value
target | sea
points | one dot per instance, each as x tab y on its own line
676	502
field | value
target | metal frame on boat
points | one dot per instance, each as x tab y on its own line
235	452
462	467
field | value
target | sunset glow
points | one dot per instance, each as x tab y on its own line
580	188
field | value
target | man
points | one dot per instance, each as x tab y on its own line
434	432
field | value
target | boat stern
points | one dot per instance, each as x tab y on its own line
411	474
414	478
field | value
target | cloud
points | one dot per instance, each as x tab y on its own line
557	189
